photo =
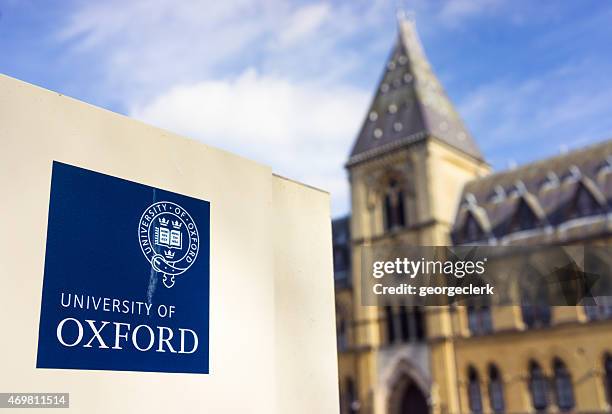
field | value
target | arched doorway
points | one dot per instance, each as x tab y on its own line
407	398
413	401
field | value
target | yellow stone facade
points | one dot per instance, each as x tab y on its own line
432	175
379	374
434	181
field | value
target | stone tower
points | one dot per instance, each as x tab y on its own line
407	169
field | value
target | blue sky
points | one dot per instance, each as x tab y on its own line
288	82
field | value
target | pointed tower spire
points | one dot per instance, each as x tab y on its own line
410	104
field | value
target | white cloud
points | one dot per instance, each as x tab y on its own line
303	130
564	106
185	66
454	11
303	23
147	46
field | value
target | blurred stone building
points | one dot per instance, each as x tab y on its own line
417	177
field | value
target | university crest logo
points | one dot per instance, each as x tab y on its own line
168	239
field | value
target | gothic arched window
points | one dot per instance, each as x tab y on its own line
394	206
341	262
352	403
471	230
419	318
405	324
342	334
535	305
538	386
390	323
536	316
523	219
601	310
599	305
474	397
564	391
496	390
608	377
479	319
583	204
411	324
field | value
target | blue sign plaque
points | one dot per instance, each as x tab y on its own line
126	283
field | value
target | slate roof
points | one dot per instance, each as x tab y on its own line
410	105
547	187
